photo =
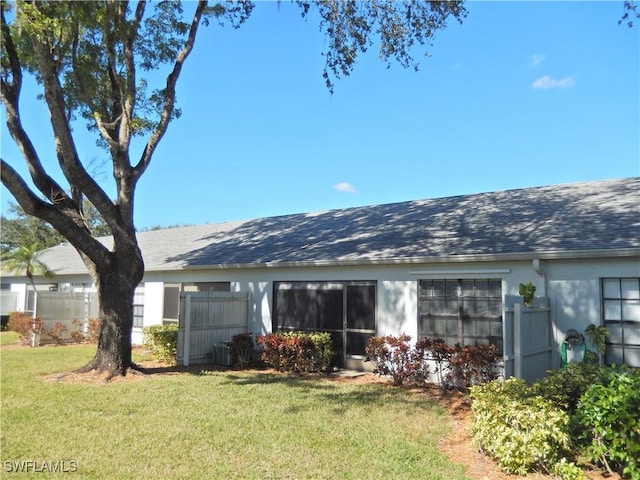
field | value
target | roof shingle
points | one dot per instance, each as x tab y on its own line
588	216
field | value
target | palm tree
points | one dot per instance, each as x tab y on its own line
24	260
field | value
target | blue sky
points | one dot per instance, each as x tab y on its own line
521	94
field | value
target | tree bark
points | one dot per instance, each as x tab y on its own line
116	286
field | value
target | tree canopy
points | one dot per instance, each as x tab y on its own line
91	58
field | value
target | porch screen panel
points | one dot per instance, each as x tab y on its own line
303	306
621	314
361	317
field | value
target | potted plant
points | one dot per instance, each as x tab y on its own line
527	291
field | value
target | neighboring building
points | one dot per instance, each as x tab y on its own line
418	267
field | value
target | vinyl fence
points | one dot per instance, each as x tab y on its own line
207	322
8	302
528	347
65	314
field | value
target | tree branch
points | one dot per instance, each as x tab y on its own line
71	226
65	145
170	93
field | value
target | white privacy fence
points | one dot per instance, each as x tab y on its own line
8	302
207	322
528	340
65	314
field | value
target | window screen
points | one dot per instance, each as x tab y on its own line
465	311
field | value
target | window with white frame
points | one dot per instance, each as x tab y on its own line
621	316
138	306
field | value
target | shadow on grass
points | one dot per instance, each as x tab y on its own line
342	395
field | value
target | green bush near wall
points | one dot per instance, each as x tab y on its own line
162	340
522	432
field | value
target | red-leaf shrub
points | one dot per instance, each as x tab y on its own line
460	366
296	351
394	356
24	324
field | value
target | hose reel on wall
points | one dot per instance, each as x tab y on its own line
573	347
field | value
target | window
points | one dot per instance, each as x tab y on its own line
621	315
138	307
466	311
171	307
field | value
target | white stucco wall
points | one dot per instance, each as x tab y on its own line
21	290
572	286
575	290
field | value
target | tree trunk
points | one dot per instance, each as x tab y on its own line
116	288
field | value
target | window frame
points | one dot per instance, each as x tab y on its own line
613	342
459	324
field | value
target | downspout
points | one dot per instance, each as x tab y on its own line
537	267
543	283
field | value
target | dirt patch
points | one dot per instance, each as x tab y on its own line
457	446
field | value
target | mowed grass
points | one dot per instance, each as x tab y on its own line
213	425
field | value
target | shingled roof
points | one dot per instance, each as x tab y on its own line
561	221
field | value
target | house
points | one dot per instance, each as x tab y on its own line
424	267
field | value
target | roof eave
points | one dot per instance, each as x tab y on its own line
503	257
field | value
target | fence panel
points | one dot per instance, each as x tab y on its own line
207	322
8	302
70	310
528	338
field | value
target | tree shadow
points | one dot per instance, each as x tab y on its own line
582	216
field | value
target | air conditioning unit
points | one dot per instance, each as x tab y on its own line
222	355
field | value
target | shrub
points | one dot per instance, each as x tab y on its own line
521	431
322	354
297	351
56	333
162	340
609	413
77	335
24	325
472	365
565	386
394	356
437	350
93	330
241	350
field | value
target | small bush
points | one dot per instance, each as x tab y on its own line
241	350
297	351
521	431
162	340
609	414
565	386
57	332
93	330
394	356
436	349
24	325
77	335
472	365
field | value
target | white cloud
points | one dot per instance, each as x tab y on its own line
536	59
344	187
546	82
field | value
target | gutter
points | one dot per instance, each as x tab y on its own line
536	257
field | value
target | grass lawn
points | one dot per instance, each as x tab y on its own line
214	425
